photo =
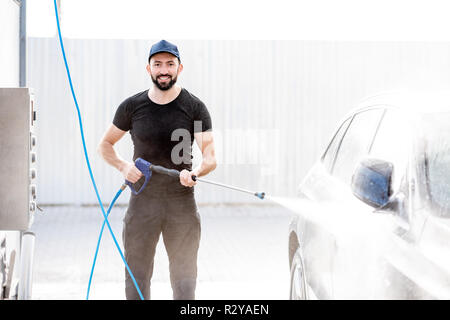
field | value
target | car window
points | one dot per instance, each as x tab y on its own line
391	144
356	143
330	153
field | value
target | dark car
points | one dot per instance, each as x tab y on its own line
372	220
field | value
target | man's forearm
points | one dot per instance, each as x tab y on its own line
207	165
109	154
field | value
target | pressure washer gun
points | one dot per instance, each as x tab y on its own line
147	168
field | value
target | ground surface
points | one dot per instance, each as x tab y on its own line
243	254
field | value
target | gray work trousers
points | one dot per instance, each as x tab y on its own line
178	220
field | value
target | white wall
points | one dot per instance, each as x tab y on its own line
274	104
9	43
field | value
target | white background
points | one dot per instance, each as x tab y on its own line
381	20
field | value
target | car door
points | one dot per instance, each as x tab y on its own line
327	191
312	237
360	268
432	209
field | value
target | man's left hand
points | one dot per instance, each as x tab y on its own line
186	178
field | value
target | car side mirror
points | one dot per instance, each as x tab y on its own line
371	182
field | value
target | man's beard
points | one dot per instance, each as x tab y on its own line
165	86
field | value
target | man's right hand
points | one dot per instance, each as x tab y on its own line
130	172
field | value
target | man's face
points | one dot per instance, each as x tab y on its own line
164	69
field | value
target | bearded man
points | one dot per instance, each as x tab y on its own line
156	119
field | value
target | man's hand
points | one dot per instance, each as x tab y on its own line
185	178
130	172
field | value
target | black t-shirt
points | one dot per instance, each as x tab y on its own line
163	134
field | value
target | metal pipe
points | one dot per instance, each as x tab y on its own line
258	194
23	44
26	266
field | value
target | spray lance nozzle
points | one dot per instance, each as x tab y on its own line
260	195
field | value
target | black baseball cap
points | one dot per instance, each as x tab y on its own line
164	46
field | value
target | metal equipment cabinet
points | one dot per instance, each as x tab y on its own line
17	191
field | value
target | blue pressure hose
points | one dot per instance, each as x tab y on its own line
99	240
89	166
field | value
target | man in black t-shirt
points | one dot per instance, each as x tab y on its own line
163	122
